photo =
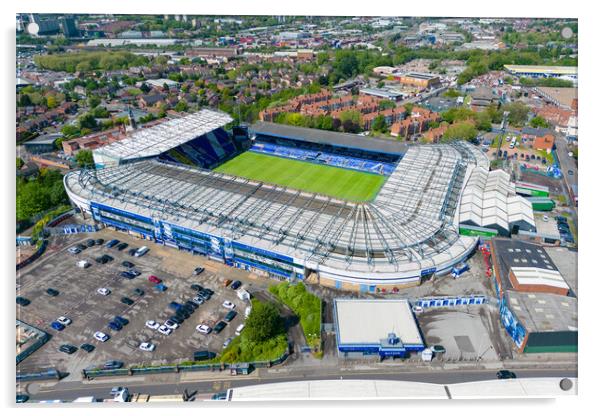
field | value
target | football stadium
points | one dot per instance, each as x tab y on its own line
351	212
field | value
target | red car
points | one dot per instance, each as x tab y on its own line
154	279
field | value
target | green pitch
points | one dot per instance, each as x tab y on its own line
306	176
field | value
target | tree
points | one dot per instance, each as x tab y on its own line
84	158
464	131
517	113
384	104
538	122
263	323
145	88
24	100
87	121
350	121
93	101
70	131
20	163
380	124
182	105
483	121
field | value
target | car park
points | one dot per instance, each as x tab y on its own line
87	347
67	348
112	243
199	270
203	355
63	320
219	327
57	326
103	291
230	316
164	330
147	346
127	264
228	305
52	292
22	301
236	284
127	301
188	309
203	329
152	324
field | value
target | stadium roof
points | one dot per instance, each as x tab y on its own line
409	226
155	140
333	138
369	321
539	69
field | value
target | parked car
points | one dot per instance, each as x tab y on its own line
160	287
100	260
178	320
198	300
99	241
505	374
67	349
138	292
147	346
132	251
115	326
183	314
22	301
83	264
90	243
82	247
112	365
74	250
134	272
122	246
230	316
64	320
107	257
127	264
103	291
188	309
227	282
199	270
203	329
141	251
196	287
439	349
87	347
192	304
561	219
236	284
154	279
57	326
101	336
22	398
171	324
203	355
239	329
52	292
123	321
227	342
127	275
175	306
219	327
228	305
152	324
127	301
570	172
164	330
112	243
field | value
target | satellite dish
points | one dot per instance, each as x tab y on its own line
33	29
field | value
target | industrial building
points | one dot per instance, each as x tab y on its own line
42	144
417	79
368	327
537	306
536	71
156	184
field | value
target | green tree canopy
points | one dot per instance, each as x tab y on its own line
84	158
263	323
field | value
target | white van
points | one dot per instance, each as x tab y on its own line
247	311
243	294
141	251
239	329
83	264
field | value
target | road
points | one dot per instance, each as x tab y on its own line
566	163
69	391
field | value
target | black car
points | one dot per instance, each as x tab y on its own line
87	347
101	260
23	301
115	326
203	355
199	270
127	301
188	308
570	172
176	319
219	327
112	365
134	272
211	292
22	398
139	292
81	246
561	219
191	304
107	257
127	275
90	243
67	348
122	246
99	241
132	251
127	264
182	314
112	243
52	292
236	284
121	320
229	316
505	374
196	287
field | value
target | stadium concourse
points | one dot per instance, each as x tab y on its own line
409	230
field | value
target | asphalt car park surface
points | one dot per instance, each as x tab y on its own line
90	311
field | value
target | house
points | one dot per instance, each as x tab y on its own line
151	100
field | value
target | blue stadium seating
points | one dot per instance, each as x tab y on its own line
325	158
205	151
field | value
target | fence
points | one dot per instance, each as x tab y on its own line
34	256
176	368
40	375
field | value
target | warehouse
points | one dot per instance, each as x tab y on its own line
537	306
386	328
535	71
